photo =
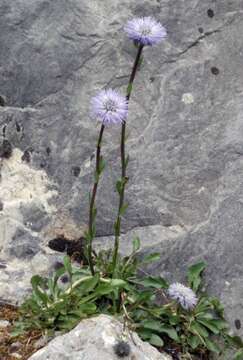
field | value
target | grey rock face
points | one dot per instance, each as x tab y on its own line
185	127
95	338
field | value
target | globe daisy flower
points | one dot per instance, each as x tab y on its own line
108	106
145	30
183	295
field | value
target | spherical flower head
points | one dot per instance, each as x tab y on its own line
183	295
145	30
109	107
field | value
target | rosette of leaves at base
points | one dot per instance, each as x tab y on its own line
199	329
53	307
144	304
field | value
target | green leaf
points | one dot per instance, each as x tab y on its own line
152	281
96	177
19	329
88	285
107	288
67	264
141	297
174	319
127	161
235	341
123	209
38	283
140	61
101	165
220	324
129	88
144	334
238	355
136	244
119	186
118	283
205	316
94	213
151	258
57	275
212	346
194	341
208	324
88	308
217	305
152	325
87	236
171	332
194	275
67	322
156	340
159	327
198	329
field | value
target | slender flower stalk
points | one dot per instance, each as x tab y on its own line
108	107
143	31
92	209
122	183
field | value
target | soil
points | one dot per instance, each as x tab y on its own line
20	347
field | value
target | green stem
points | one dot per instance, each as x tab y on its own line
124	178
92	209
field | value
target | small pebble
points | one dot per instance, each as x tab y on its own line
16	356
4	323
15	347
41	342
187	98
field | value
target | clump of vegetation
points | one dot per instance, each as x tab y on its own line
145	305
180	319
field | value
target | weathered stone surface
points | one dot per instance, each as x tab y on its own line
185	127
94	339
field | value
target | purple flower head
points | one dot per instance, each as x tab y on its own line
145	30
108	106
183	295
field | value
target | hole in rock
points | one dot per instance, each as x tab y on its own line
5	149
73	248
26	156
76	170
58	244
210	13
214	70
238	324
2	101
18	127
43	164
201	30
4	130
